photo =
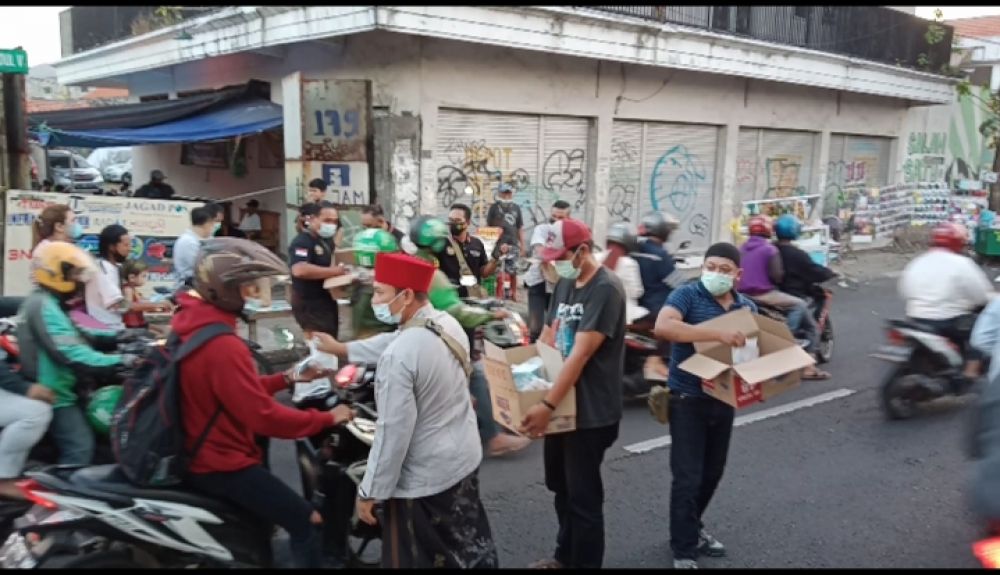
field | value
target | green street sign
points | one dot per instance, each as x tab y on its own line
13	62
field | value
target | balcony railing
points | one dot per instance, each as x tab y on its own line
87	27
869	32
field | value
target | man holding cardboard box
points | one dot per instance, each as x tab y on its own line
586	323
700	426
311	256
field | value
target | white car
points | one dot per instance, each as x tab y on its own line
72	172
119	172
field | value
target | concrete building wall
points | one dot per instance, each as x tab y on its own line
422	75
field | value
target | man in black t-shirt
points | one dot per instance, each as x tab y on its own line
157	188
310	256
586	323
472	249
507	215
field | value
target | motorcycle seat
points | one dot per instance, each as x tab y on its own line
111	479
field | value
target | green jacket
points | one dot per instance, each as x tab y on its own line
54	350
443	295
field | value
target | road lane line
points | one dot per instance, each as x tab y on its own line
658	442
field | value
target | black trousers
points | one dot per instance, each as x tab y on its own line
700	428
538	304
269	498
573	472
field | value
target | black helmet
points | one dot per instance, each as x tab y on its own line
621	233
658	225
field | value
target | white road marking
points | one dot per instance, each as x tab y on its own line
658	442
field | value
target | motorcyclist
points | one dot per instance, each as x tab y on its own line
367	244
429	235
25	413
656	265
801	272
620	243
943	289
225	403
55	351
762	273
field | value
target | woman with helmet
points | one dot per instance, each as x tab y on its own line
54	350
621	243
944	288
56	223
762	273
234	403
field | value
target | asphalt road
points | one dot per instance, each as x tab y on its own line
827	485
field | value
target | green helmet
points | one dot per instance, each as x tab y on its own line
102	406
369	243
429	232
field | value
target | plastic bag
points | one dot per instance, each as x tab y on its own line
748	352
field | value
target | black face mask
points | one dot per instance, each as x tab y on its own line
457	229
552	220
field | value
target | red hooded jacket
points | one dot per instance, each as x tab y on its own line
223	372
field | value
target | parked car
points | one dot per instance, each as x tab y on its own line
71	171
119	173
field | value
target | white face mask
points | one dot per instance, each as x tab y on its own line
327	230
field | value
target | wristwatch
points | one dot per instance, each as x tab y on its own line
548	405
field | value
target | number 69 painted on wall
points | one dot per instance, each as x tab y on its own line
351	119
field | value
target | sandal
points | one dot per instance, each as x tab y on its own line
818	375
546	564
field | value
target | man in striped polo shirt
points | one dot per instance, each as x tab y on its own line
700	425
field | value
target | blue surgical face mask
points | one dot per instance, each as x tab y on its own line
717	284
75	231
327	230
565	268
384	314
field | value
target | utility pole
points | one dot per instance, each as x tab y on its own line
15	172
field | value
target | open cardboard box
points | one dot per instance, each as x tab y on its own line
777	370
509	404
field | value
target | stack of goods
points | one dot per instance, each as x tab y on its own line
530	375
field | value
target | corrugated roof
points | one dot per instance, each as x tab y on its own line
980	27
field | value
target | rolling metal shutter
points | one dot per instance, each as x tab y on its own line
669	168
856	163
543	157
781	163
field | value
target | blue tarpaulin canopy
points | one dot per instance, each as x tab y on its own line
240	117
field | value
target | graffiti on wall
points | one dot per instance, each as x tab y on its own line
925	157
970	151
844	181
474	170
782	176
623	197
674	186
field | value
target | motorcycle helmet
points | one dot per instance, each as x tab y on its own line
371	242
760	226
102	406
63	268
950	236
621	233
225	264
429	232
787	227
658	225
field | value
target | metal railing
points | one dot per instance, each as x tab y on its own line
872	33
87	27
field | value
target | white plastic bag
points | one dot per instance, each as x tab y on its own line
748	352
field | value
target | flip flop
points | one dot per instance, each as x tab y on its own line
819	375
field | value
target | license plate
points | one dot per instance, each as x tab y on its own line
15	553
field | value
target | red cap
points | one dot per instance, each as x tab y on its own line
564	235
403	272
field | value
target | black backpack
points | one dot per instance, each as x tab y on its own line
147	431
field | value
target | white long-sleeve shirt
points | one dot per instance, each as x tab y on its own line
426	439
940	284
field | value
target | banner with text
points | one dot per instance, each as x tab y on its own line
154	225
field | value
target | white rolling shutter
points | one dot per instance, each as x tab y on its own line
545	158
679	177
749	169
625	179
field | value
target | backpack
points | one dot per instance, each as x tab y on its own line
147	431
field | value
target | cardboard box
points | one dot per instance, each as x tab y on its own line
777	370
509	404
337	286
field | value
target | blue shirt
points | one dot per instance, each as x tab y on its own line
655	266
695	305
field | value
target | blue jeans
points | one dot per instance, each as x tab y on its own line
73	436
700	428
480	390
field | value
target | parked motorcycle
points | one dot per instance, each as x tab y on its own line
94	517
926	366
